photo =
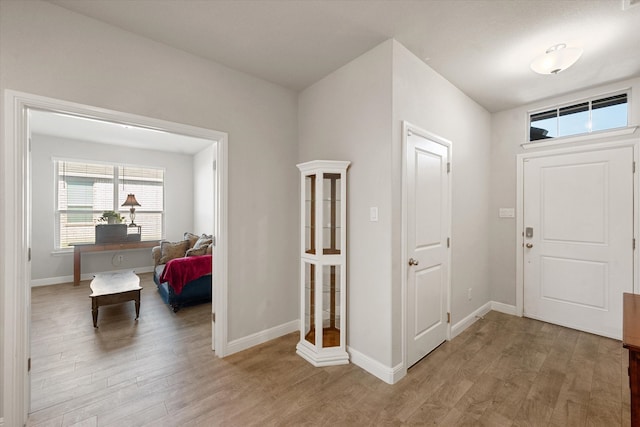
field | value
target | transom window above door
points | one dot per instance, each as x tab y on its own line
591	115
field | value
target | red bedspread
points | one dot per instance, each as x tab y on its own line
180	271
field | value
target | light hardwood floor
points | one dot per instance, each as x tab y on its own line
160	371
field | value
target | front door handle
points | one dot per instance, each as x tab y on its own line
529	245
413	261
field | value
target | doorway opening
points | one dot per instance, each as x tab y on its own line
17	232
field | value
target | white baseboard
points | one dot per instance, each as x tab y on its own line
459	327
1	422
51	281
262	337
87	276
389	375
503	308
375	368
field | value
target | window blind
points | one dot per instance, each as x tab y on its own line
86	190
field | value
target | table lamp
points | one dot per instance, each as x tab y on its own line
132	202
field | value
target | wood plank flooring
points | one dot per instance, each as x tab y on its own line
160	371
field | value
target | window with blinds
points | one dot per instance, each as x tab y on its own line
601	113
86	190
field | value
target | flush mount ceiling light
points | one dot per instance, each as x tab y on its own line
557	58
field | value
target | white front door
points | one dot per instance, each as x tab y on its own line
578	238
427	252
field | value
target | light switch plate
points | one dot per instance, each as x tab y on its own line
373	214
507	213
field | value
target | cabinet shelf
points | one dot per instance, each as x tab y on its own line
330	337
331	251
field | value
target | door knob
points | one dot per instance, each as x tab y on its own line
413	261
529	245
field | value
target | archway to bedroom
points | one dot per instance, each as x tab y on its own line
62	342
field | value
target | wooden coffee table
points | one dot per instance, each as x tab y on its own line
114	288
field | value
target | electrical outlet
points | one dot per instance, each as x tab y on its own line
469	294
116	259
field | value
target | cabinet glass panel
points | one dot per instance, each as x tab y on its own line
310	214
331	213
309	302
331	289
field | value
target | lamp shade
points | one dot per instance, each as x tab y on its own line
131	201
556	59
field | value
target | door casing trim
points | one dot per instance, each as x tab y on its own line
521	158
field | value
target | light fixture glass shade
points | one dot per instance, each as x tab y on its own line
556	59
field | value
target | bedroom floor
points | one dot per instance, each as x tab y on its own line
160	371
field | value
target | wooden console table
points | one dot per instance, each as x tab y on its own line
631	341
79	248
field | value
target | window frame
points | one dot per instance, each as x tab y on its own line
118	179
589	134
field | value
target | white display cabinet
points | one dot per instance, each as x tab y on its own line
323	290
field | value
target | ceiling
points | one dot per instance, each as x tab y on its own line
85	129
484	47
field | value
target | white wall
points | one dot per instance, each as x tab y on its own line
356	114
346	116
49	51
203	191
425	99
509	129
46	267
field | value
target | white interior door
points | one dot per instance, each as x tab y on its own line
578	238
427	252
